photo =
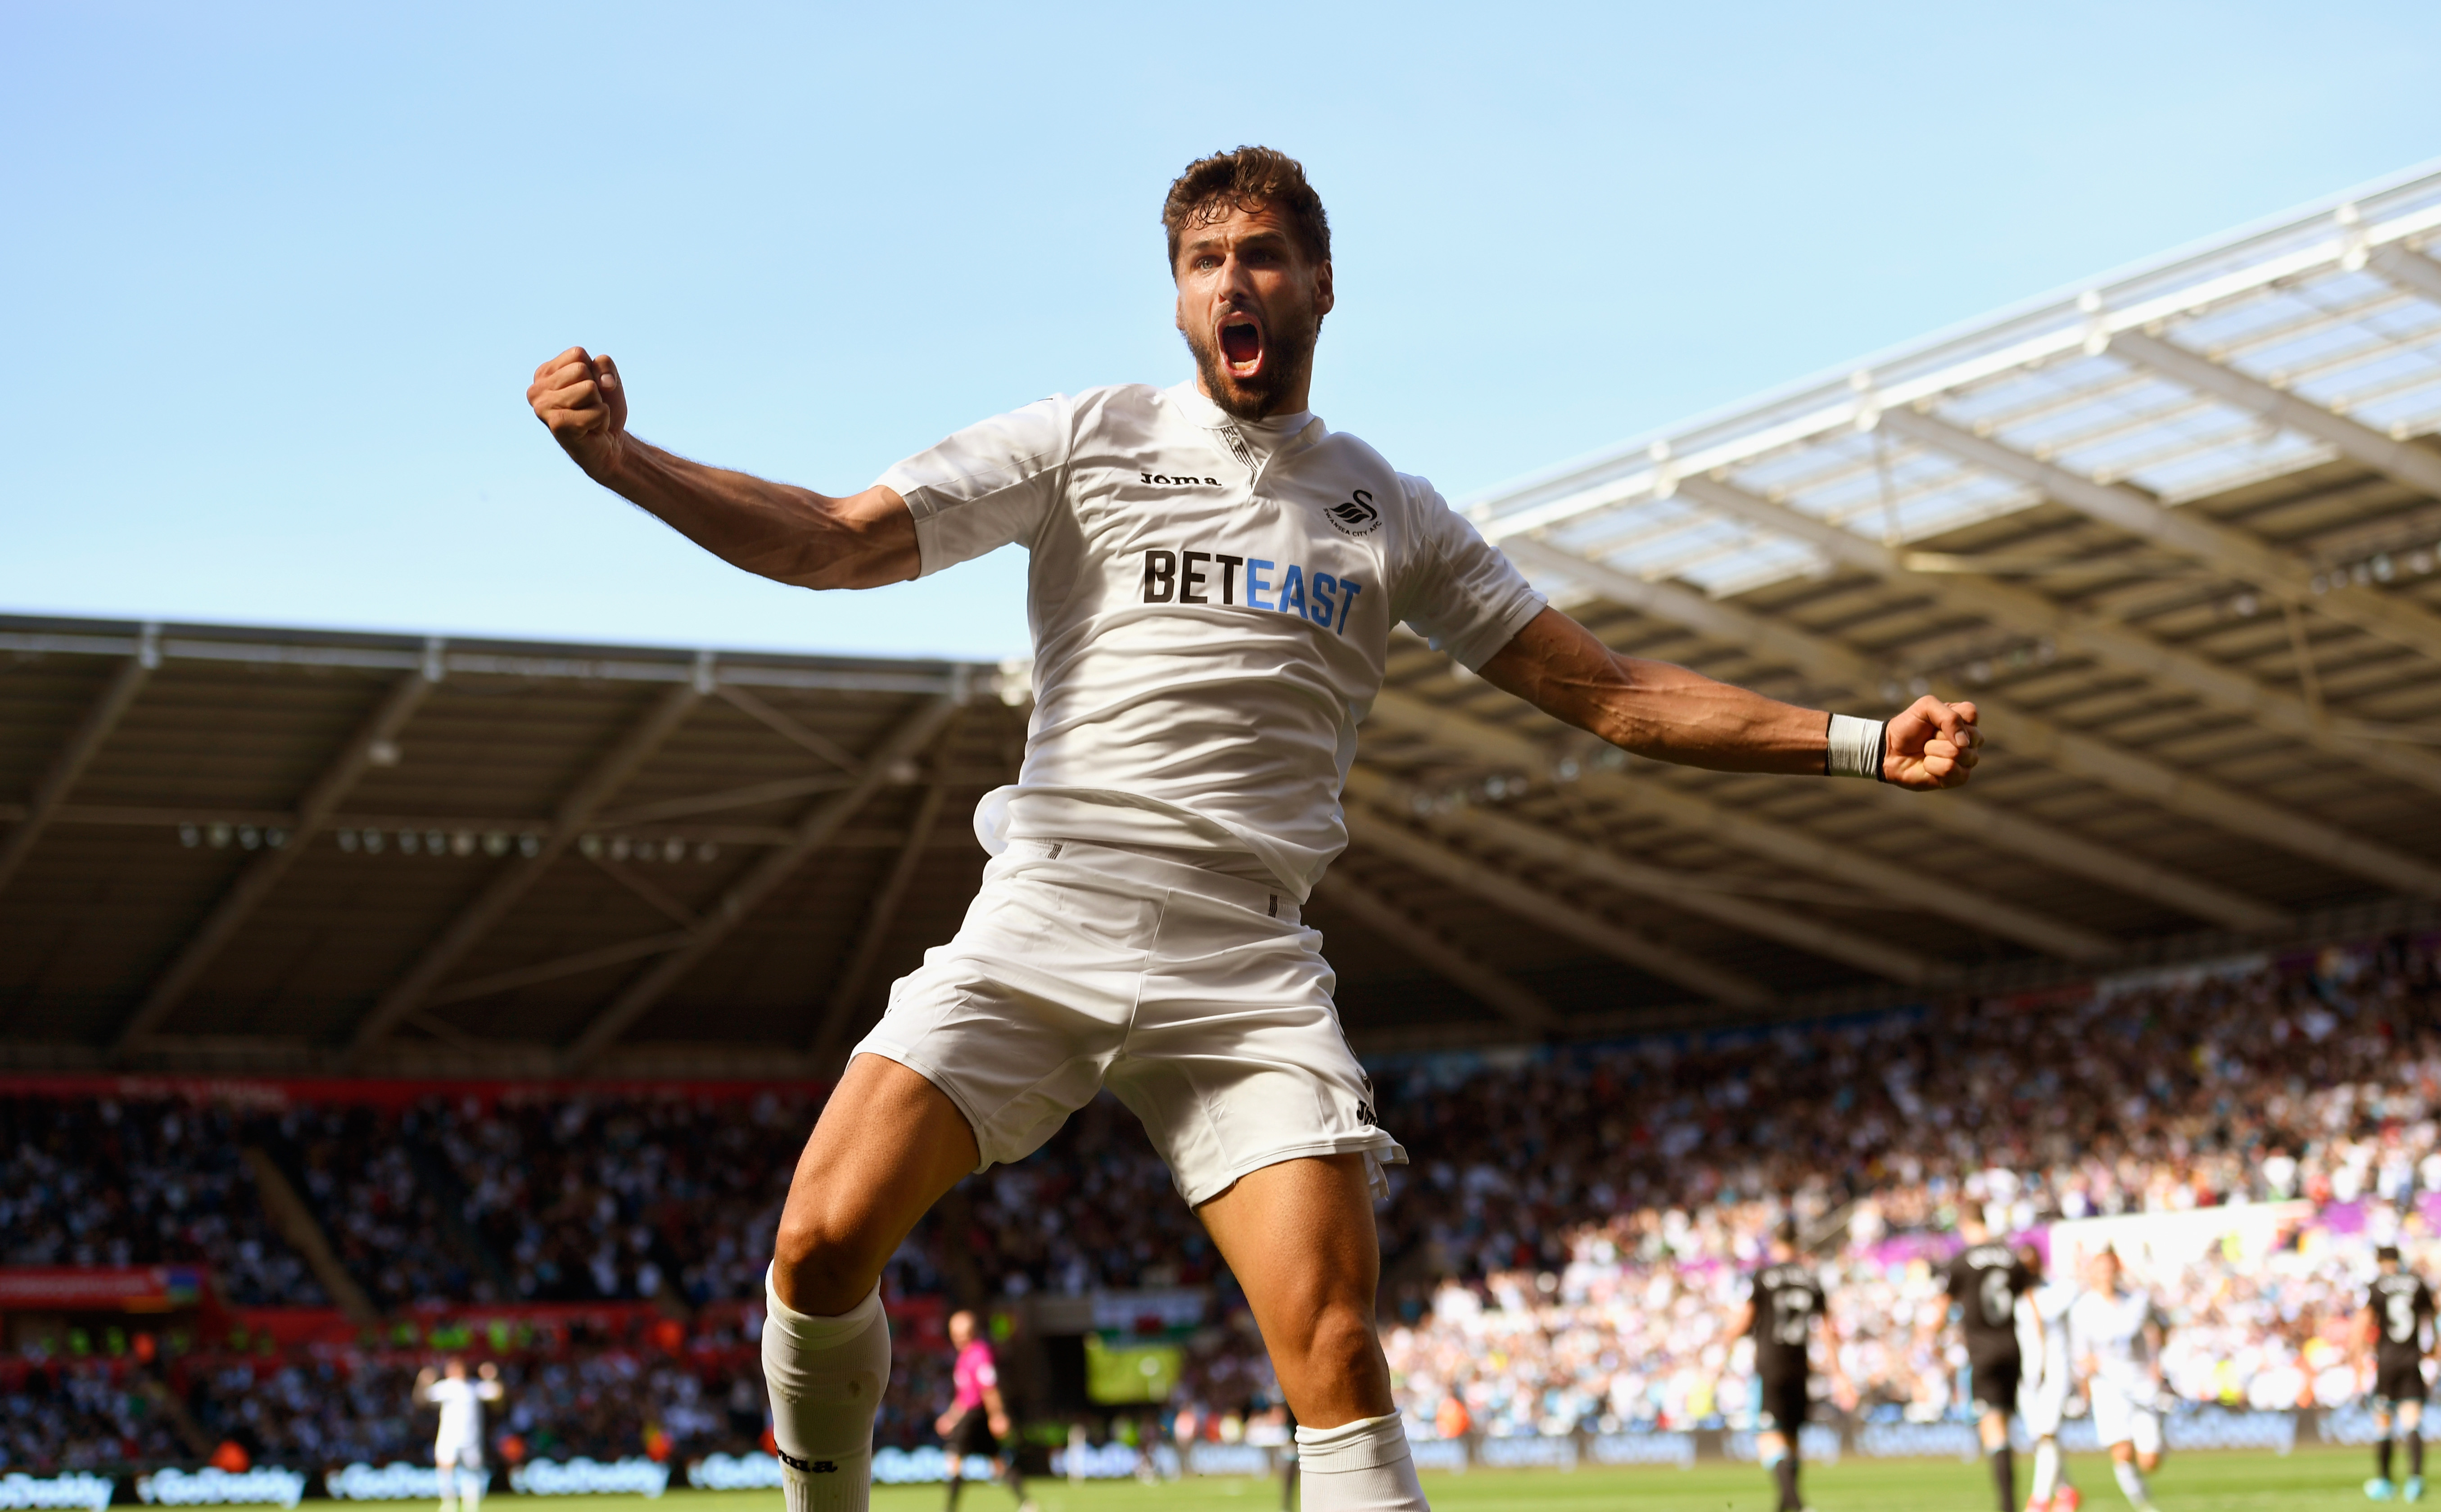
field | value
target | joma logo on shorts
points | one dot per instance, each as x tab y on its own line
1188	482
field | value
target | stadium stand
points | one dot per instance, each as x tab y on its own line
622	910
1570	1262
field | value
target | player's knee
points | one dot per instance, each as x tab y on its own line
822	1266
1341	1341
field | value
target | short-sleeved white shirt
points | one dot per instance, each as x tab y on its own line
461	1408
1211	603
2109	1326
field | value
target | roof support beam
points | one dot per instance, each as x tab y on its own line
1566	919
2401	461
2409	269
2233	551
568	966
519	873
69	765
263	873
1790	847
1493	989
775	867
2097	760
848	988
1676	889
1989	597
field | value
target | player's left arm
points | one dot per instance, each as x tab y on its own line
996	1411
1671	715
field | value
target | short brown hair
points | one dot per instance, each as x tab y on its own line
1213	187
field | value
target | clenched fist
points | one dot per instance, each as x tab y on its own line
1930	745
582	400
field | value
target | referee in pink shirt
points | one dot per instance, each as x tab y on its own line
978	1418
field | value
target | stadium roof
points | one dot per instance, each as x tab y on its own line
2180	534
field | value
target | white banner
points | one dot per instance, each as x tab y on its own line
213	1486
73	1489
1448	1455
1111	1461
897	1466
1558	1454
634	1476
1228	1459
399	1481
1645	1448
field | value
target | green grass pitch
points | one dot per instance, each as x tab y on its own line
2313	1480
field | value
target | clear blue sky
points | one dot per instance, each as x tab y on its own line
276	277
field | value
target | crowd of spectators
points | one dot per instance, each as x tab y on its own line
107	1181
94	1415
1597	1211
1565	1251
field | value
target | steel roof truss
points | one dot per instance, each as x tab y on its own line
1567	919
878	919
117	695
1833	665
263	876
1494	989
774	866
518	875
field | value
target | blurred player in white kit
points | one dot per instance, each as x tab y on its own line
2044	1386
458	1446
2117	1335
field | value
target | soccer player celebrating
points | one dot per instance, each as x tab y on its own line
2043	1389
2398	1305
978	1418
458	1446
1214	577
1985	1280
2117	1339
1781	1312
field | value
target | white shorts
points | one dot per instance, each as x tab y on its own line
2119	1419
2043	1402
458	1454
1198	999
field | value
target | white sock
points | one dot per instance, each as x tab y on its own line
2046	1471
1358	1466
2131	1481
470	1490
826	1376
448	1475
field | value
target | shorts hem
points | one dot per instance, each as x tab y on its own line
1379	1146
947	1087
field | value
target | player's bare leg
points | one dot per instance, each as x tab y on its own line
889	1143
1299	1237
2131	1468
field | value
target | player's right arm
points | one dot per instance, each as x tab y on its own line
790	534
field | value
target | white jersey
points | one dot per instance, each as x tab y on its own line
461	1408
2109	1326
2042	1331
1211	603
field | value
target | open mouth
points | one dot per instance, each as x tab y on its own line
1242	345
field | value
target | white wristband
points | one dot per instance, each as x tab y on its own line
1855	747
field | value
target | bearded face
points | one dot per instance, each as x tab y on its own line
1250	304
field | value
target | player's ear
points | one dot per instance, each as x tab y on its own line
1324	297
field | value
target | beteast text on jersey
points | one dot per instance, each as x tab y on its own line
1316	595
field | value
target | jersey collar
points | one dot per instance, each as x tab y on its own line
1247	443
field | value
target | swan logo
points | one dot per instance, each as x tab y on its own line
1356	514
